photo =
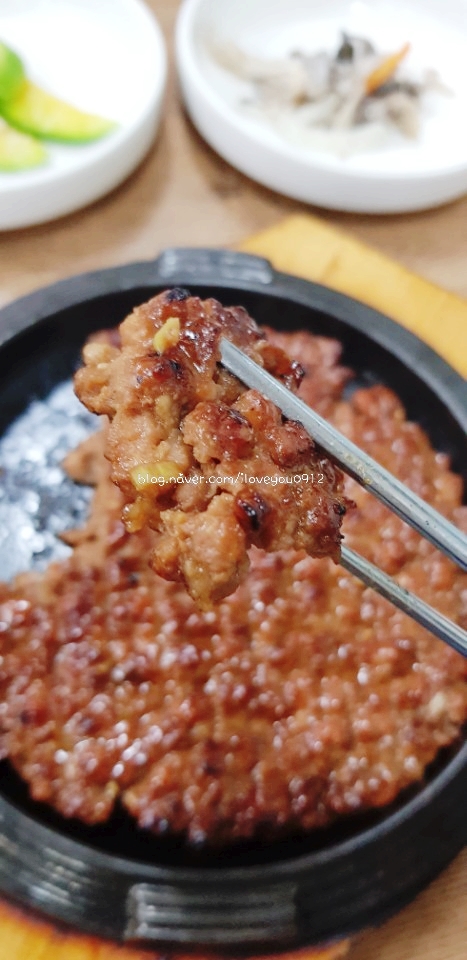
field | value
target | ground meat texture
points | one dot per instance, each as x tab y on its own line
303	697
210	466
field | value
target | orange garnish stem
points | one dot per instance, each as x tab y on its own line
385	70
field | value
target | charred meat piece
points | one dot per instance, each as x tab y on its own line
210	466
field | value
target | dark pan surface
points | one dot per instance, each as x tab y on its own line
116	880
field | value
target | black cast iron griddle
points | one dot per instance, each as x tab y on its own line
115	880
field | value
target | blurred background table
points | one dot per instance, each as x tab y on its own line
184	194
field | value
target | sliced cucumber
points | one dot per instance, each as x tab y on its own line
12	75
18	151
34	111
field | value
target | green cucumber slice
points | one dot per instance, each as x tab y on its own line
34	111
12	75
18	151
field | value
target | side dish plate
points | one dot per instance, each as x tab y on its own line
404	174
115	880
76	52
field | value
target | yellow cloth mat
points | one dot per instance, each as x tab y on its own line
308	247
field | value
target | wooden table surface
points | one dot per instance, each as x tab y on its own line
183	194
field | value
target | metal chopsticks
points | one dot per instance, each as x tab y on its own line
394	494
420	611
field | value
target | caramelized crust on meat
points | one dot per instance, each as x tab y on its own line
304	696
208	465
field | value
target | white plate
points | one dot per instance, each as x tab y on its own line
104	56
403	175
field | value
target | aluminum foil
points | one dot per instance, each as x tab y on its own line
37	500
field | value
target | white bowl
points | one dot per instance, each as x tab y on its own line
104	56
402	176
